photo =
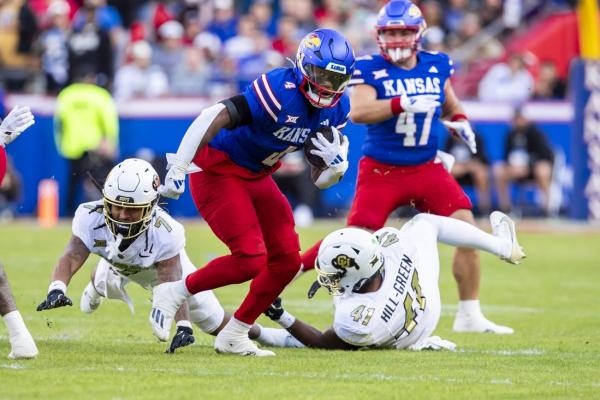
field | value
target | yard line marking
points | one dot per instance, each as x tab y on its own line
12	366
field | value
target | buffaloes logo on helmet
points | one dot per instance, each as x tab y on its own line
342	261
155	182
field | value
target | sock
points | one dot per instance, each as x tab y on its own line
223	271
15	324
277	338
310	256
469	307
237	328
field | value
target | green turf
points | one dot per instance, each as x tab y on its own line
551	301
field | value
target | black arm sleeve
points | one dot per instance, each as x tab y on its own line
239	111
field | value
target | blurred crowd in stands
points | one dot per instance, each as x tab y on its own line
214	48
145	48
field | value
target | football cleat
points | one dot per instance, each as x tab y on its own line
166	300
22	346
90	299
477	323
504	227
230	343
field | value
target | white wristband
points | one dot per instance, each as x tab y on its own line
58	285
286	320
185	323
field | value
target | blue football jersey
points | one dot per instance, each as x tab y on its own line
406	139
282	119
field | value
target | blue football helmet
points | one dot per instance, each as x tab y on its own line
399	15
324	65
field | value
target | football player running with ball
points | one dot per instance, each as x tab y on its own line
21	342
385	285
237	144
400	95
137	242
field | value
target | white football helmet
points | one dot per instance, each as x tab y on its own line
131	184
347	259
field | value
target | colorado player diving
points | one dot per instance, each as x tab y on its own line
385	285
237	144
138	242
405	98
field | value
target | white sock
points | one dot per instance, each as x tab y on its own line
15	324
237	327
277	338
469	307
462	234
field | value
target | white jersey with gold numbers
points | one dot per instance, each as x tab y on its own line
164	239
406	308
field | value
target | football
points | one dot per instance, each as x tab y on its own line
315	161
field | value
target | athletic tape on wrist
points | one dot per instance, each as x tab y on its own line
286	320
58	285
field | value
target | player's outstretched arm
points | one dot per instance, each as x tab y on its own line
455	119
15	123
75	255
307	334
366	109
205	127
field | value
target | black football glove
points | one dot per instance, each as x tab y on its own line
275	310
183	337
56	298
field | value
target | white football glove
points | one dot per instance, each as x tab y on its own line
419	104
19	119
433	343
174	185
332	153
463	129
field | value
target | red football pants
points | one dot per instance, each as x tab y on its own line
254	219
381	188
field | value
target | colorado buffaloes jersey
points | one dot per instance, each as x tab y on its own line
282	119
409	138
164	239
394	316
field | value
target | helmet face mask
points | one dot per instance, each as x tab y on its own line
324	65
130	196
398	44
348	258
400	26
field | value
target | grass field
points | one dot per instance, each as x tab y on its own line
552	301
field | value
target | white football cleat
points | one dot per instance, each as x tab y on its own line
166	300
478	323
230	343
90	299
504	227
22	346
